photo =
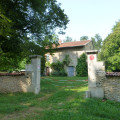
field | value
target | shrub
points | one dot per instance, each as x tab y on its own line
59	73
63	73
81	68
55	73
57	66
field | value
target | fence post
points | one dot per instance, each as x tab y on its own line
96	71
34	70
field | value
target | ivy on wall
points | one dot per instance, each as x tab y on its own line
58	66
66	60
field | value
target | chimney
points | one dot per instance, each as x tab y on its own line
60	41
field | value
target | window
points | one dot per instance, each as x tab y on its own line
47	57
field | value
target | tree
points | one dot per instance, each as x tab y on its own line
68	39
97	41
81	68
32	19
84	38
27	24
110	51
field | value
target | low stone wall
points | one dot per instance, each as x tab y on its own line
112	88
28	81
101	84
14	82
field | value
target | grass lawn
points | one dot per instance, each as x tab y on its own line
61	98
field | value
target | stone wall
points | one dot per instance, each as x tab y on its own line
17	83
23	82
112	88
101	84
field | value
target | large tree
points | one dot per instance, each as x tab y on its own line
110	51
26	23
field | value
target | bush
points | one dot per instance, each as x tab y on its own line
55	73
59	73
62	73
57	66
81	68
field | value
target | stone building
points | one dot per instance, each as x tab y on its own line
74	50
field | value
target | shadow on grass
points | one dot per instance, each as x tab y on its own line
79	108
10	103
13	102
63	104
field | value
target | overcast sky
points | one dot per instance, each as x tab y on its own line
89	17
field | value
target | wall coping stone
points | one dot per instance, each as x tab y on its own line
92	52
13	74
112	74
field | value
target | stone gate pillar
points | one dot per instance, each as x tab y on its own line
96	73
33	70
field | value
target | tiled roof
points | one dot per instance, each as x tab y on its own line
112	73
73	44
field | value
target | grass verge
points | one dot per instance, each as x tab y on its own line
60	98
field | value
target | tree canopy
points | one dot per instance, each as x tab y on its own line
27	26
84	38
97	41
68	39
110	51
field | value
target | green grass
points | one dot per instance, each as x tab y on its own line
58	100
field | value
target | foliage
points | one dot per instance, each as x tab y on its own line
57	66
5	26
110	51
66	60
7	63
32	19
27	27
81	68
84	38
97	42
47	64
59	73
67	39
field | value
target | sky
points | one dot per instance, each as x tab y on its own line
90	17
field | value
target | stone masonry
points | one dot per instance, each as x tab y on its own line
112	88
100	84
11	84
96	75
30	82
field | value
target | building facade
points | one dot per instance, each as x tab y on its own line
74	50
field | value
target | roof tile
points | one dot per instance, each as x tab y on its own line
73	44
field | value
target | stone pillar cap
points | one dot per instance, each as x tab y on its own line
35	56
92	52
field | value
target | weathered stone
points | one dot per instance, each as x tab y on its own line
95	72
11	84
35	68
87	94
97	92
30	82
